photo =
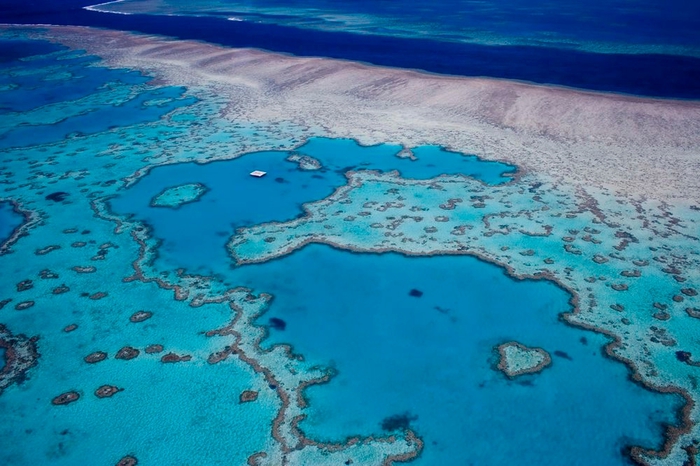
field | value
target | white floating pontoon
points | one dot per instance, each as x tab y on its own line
258	173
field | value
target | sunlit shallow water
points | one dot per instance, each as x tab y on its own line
9	221
432	359
194	235
423	357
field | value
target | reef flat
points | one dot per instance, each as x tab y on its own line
176	196
103	364
634	146
603	204
410	341
235	199
517	359
632	266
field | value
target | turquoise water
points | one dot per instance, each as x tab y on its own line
426	354
130	112
388	347
9	220
45	80
430	161
165	412
235	199
432	357
49	94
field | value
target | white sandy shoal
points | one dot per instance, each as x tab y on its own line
635	146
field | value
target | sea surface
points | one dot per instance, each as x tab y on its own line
407	341
648	48
431	359
9	220
64	117
235	199
428	360
646	26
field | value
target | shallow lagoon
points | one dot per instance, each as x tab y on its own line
38	73
432	357
235	199
9	220
354	313
133	111
387	328
165	412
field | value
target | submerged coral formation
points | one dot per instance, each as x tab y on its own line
592	209
517	359
20	354
179	195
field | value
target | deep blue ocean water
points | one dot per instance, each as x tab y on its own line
432	357
235	199
600	25
662	75
14	50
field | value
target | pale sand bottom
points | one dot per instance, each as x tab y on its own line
635	146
